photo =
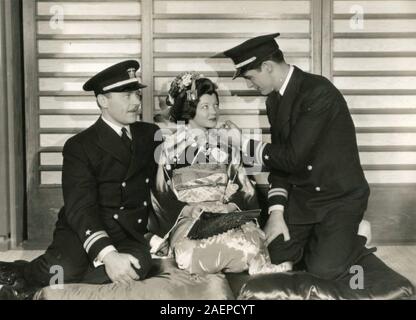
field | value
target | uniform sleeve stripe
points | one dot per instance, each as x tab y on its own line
284	192
87	249
92	237
274	194
278	191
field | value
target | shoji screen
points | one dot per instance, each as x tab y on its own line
187	34
374	64
65	43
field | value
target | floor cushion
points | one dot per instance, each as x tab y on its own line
167	283
379	282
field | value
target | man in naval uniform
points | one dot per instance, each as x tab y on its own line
107	175
317	190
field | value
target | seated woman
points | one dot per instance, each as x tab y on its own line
209	177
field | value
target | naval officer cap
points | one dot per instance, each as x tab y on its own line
252	51
120	77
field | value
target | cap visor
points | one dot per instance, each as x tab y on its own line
129	87
237	73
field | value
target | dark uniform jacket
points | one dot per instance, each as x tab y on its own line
313	158
107	190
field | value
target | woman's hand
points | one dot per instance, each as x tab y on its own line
193	211
232	207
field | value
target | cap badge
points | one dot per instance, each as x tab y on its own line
131	72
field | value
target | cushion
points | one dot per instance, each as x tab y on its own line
379	282
167	282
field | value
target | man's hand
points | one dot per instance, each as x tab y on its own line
119	267
276	226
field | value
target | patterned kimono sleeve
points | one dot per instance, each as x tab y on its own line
245	197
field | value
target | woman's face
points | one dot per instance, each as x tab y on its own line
207	112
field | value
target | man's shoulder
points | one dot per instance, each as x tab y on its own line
82	137
314	85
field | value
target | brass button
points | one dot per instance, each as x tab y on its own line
139	221
124	184
266	157
121	208
147	180
310	168
318	189
115	216
145	203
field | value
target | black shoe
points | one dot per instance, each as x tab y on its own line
11	271
18	291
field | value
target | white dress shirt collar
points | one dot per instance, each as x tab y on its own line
117	128
286	82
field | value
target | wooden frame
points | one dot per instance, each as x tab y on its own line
147	59
31	103
12	134
316	41
4	168
321	57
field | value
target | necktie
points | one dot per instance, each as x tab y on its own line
279	97
125	138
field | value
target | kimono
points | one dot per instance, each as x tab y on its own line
198	171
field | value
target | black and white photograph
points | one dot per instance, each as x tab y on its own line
211	151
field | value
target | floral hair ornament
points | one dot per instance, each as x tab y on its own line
184	81
192	94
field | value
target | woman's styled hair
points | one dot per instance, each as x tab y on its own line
182	107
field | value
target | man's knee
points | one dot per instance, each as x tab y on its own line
49	270
325	269
283	251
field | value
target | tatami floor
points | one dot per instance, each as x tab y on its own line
400	258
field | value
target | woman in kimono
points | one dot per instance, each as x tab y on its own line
209	177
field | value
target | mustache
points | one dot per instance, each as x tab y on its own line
134	108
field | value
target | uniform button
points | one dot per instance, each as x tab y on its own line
121	208
147	180
124	184
266	157
310	168
145	203
318	189
168	182
139	221
115	216
168	167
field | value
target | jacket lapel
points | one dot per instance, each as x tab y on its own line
286	104
272	107
111	142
